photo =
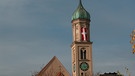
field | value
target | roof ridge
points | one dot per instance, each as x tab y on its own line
47	65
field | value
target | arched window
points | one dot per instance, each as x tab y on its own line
83	53
60	74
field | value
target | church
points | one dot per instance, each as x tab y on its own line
81	48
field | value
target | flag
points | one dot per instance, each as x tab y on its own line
84	34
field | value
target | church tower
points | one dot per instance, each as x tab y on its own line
81	46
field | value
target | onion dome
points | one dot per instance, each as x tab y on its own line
80	13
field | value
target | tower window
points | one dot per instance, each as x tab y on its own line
83	53
81	74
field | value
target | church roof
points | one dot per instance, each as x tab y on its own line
80	13
53	68
111	74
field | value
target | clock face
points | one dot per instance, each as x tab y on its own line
84	66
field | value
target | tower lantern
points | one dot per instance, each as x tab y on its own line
81	46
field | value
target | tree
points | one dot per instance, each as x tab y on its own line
132	41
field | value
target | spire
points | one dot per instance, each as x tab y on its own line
80	2
80	12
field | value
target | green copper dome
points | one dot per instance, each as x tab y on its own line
80	13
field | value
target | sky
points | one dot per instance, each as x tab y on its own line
33	31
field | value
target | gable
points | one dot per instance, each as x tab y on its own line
54	68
